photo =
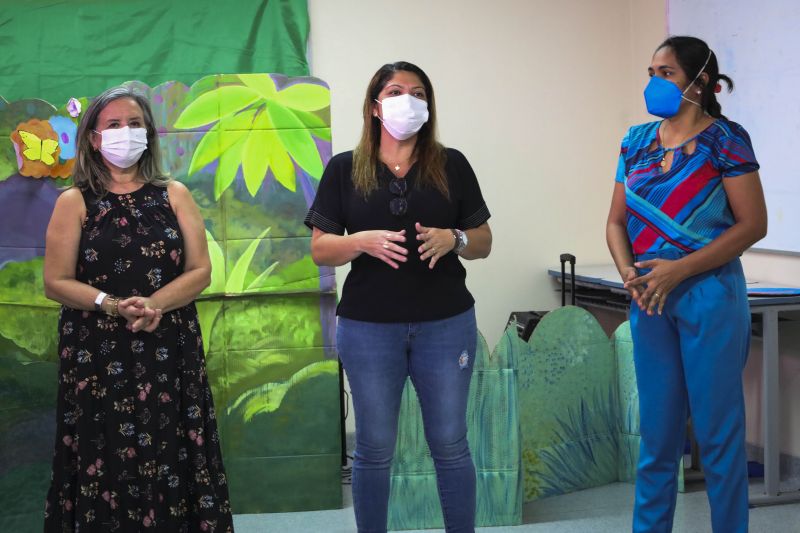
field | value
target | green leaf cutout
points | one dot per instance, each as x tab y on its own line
305	97
262	83
259	282
213	105
296	139
229	163
217	265
282	166
319	127
208	149
255	160
268	397
242	121
238	273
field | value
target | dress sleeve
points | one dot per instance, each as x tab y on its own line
326	212
622	169
735	154
472	210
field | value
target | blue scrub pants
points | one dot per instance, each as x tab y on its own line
690	360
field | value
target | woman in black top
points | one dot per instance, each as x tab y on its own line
402	209
137	446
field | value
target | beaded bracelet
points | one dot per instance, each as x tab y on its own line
113	303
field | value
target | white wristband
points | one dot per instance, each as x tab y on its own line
98	302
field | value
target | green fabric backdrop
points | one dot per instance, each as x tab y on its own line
54	51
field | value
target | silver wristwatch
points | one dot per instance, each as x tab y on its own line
461	241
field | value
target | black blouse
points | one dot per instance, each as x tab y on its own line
374	291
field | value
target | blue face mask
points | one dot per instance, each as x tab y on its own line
663	98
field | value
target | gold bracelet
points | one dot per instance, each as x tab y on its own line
113	303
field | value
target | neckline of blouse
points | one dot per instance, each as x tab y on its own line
129	193
684	143
391	175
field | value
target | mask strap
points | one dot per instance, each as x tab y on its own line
700	72
376	115
683	94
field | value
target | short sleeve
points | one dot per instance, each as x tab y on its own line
622	170
472	210
326	212
735	154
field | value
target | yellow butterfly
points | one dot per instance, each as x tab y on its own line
37	149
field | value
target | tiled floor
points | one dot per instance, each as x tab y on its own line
600	510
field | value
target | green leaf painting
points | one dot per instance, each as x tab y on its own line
236	279
255	125
268	397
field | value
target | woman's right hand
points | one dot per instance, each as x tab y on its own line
140	317
381	244
629	274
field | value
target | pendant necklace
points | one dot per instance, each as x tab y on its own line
672	149
397	166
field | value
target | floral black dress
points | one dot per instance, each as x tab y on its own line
137	447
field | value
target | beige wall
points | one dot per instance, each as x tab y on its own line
536	93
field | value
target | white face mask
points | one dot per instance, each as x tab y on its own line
403	115
123	147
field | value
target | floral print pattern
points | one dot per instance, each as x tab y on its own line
137	447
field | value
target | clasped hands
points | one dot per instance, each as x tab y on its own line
140	312
383	244
650	291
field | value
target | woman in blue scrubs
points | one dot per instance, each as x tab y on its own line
687	202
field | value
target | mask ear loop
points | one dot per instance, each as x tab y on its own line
683	94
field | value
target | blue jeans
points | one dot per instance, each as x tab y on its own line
438	355
690	359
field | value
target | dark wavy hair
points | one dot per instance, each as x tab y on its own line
691	54
429	153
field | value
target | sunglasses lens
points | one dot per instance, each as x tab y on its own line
398	206
398	187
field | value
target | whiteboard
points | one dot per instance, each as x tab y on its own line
757	45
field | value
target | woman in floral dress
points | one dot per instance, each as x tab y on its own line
137	447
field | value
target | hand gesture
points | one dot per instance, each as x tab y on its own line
436	242
655	286
382	244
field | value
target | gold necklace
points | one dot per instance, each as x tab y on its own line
672	149
398	166
679	145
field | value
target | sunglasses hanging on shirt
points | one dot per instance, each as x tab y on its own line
399	204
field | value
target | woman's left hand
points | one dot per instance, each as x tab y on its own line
436	242
150	315
655	286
